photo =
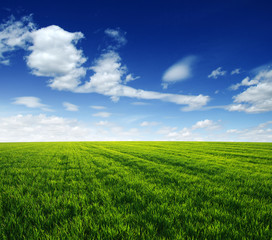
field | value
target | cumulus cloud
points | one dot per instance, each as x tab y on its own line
102	114
257	97
236	71
53	54
70	107
31	102
209	124
14	35
217	72
178	72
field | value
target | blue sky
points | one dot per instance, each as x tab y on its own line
135	70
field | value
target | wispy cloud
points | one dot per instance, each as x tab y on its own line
97	107
25	128
178	72
53	54
104	123
245	82
130	78
190	133
140	103
118	36
236	71
149	124
260	133
173	134
5	62
217	72
102	114
42	128
257	97
31	102
107	80
14	35
70	107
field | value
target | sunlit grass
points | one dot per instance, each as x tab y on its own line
135	190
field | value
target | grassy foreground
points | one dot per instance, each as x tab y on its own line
135	190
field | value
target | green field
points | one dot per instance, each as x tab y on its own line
135	190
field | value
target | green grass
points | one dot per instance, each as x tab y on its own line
135	190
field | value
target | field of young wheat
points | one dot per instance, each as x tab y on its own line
136	190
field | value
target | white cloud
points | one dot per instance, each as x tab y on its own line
107	76
53	54
191	133
31	128
130	78
260	133
118	36
178	72
209	124
31	102
236	71
233	131
140	103
149	124
104	123
165	130
120	130
236	107
217	72
5	62
70	107
245	82
257	97
98	107
26	128
14	35
102	114
172	134
107	80
35	128
112	131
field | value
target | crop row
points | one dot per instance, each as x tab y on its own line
135	190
